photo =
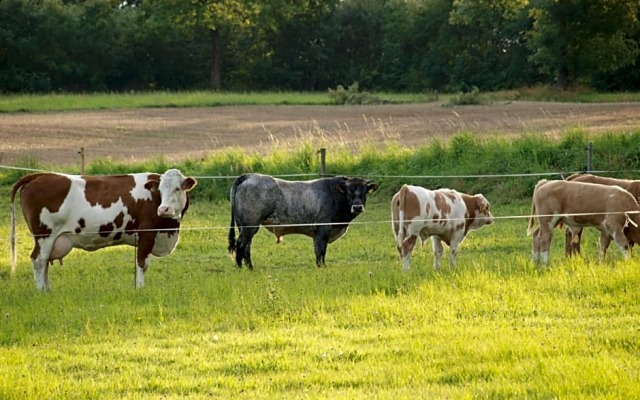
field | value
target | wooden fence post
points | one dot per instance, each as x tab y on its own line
81	152
589	149
323	161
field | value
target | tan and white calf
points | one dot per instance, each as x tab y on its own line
610	209
91	212
445	215
573	236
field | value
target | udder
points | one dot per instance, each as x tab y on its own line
61	247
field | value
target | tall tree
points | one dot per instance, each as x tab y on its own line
572	40
217	16
491	52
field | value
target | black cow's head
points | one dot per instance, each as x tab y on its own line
356	191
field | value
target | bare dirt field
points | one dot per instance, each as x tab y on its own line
181	133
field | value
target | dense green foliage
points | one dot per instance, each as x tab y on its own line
385	45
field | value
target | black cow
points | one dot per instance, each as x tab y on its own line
321	209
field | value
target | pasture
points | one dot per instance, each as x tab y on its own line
495	327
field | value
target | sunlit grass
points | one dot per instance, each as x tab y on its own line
495	327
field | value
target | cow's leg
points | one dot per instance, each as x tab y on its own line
146	240
535	251
243	245
320	243
406	249
572	241
438	250
41	273
542	242
453	247
40	261
605	240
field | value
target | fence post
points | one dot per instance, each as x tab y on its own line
323	161
589	150
81	152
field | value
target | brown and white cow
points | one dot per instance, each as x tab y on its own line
574	235
610	209
445	215
91	212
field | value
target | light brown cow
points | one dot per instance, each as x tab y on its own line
444	215
91	212
610	209
574	235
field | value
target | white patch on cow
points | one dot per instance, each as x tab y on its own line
139	192
173	198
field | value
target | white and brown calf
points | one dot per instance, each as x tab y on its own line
445	215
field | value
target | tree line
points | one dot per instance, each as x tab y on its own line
310	45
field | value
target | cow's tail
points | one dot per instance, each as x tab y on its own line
232	225
401	200
533	207
13	257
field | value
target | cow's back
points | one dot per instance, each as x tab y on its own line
581	197
631	186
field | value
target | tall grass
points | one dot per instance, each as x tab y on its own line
505	170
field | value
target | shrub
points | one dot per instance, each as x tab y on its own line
352	95
467	98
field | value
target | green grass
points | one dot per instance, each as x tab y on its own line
495	327
97	101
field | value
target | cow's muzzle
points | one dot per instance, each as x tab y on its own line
357	209
167	212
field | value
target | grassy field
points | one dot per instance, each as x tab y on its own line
360	328
98	101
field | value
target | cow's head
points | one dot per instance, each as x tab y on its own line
173	188
356	191
483	212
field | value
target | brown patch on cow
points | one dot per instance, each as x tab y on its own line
411	205
117	236
131	227
441	203
105	192
43	191
471	204
119	220
106	229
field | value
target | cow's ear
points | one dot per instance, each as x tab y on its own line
372	187
482	202
152	185
188	184
341	184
